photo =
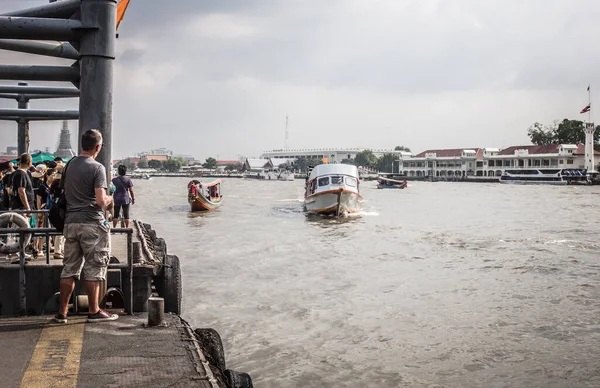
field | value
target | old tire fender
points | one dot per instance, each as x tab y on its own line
237	379
212	345
168	284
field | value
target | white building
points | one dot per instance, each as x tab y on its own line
491	162
334	155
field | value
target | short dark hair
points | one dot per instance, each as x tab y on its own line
90	139
24	159
122	169
58	159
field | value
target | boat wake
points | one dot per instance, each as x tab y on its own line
366	213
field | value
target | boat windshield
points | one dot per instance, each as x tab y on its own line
324	181
337	180
350	181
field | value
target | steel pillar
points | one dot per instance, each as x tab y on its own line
39	73
22	124
36	90
97	53
39	28
50	49
59	10
24	113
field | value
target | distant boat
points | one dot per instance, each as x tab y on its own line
204	195
535	176
333	189
386	181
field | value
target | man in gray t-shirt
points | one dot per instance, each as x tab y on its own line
87	233
85	176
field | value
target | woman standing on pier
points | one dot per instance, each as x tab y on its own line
123	196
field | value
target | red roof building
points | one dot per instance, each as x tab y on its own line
491	162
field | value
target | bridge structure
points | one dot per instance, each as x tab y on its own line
84	31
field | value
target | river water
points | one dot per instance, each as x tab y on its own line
438	285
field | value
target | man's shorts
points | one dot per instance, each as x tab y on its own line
87	248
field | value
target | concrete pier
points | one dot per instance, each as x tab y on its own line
36	352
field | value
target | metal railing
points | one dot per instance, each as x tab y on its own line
47	232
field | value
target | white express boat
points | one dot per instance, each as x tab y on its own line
333	189
534	176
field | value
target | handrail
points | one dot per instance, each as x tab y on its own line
53	232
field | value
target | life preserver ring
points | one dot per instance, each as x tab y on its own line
7	220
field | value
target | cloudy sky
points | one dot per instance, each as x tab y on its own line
217	78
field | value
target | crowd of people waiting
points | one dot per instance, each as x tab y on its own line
29	187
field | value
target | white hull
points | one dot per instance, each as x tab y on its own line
328	202
516	182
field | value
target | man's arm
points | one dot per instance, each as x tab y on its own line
102	199
132	195
23	197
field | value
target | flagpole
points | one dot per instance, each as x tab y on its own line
590	103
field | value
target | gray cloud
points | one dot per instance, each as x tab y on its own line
219	77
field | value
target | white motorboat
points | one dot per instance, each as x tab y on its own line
333	189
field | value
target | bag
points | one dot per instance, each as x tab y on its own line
58	208
48	203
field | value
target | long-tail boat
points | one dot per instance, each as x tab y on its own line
386	182
204	195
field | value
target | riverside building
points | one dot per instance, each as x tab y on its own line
333	155
491	162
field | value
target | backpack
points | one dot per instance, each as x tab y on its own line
58	206
48	204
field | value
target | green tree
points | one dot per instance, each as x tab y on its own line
143	163
181	160
366	158
155	164
563	132
233	167
540	135
210	163
348	161
172	165
302	163
386	163
402	148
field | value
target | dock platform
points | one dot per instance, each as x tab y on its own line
36	352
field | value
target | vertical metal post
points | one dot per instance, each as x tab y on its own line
129	293
22	123
97	53
22	280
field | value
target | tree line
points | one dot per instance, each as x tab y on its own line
174	164
385	163
561	132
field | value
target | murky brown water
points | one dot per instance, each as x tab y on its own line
439	285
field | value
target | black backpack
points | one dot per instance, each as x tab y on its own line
58	209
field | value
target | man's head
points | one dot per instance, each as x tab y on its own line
25	161
122	170
11	167
58	159
91	142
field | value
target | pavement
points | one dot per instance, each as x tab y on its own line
36	352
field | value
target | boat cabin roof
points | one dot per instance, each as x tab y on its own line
333	169
210	182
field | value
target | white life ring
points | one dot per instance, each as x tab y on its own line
7	220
